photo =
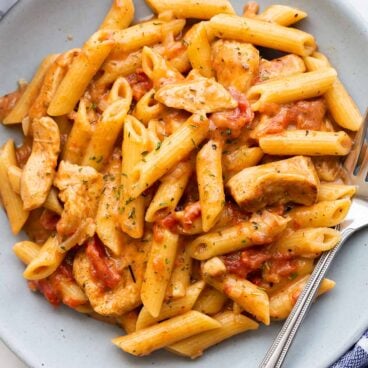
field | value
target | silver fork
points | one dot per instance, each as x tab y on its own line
356	166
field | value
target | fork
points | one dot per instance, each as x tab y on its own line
356	168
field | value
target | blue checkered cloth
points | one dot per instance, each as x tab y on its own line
357	357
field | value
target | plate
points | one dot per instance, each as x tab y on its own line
46	337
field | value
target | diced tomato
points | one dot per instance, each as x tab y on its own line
49	219
191	212
169	222
44	287
232	121
102	266
140	83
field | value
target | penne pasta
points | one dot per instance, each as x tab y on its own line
199	50
307	242
22	107
107	227
119	16
231	324
341	106
80	73
282	15
332	192
202	9
171	308
12	202
181	274
306	142
79	136
147	108
144	34
171	189
108	128
283	301
210	301
145	341
236	237
263	34
47	261
167	154
210	184
250	297
159	268
26	251
292	88
321	214
132	209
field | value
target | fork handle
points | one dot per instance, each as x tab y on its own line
280	347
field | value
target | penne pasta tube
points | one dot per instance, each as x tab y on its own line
292	88
321	214
52	202
231	324
241	158
131	209
332	192
144	34
170	152
341	106
210	183
307	242
158	69
282	15
202	9
80	73
262	33
145	341
250	297
211	301
107	226
236	237
26	251
119	16
199	50
147	108
159	268
128	321
47	261
181	274
282	302
12	202
170	191
79	136
108	128
307	143
22	107
171	308
51	82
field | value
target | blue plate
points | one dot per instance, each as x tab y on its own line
57	338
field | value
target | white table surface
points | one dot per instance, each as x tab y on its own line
7	358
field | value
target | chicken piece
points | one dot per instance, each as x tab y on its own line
80	189
124	295
201	95
235	64
38	172
291	180
280	67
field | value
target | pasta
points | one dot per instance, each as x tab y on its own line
175	181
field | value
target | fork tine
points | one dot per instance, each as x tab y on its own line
363	170
353	158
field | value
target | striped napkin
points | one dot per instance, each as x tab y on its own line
357	357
